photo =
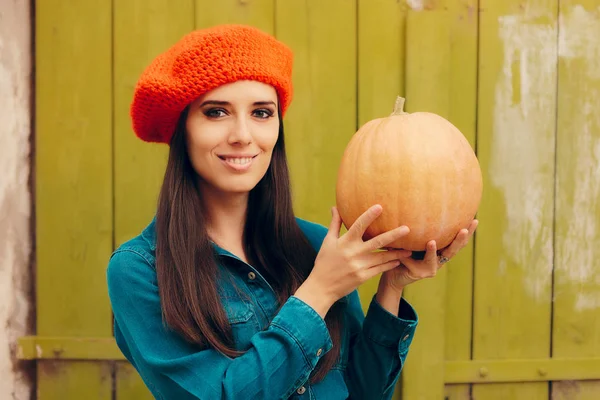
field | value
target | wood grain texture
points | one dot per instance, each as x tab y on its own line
73	198
258	13
427	89
142	30
576	327
322	116
516	141
381	33
463	19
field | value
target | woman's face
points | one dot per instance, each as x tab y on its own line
231	133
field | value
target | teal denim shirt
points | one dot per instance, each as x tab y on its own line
282	347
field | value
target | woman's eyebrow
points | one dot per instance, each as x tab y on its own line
226	103
265	103
215	103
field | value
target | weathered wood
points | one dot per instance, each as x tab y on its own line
129	385
380	75
524	370
515	143
427	89
463	18
73	198
258	13
322	117
142	30
576	328
74	380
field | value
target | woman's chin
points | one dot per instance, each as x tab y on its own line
238	188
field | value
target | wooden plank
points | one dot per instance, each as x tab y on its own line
129	384
259	13
74	380
381	27
381	50
142	30
74	348
73	167
73	117
463	19
524	370
322	117
576	328
516	139
427	89
381	32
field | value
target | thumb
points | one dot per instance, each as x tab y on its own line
336	223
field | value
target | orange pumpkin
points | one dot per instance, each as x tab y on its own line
420	168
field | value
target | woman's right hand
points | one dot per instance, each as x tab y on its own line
346	262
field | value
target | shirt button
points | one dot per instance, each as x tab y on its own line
319	352
251	275
301	390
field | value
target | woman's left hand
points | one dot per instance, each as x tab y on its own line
412	270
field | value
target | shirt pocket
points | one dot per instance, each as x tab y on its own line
242	318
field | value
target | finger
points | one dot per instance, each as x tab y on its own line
371	272
382	257
461	240
473	226
458	243
431	258
431	253
380	241
358	228
425	268
403	252
336	223
418	269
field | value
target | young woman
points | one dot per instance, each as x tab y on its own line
226	294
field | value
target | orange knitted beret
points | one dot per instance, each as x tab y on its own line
201	61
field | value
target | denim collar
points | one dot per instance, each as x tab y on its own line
149	235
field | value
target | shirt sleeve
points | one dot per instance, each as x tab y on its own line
379	344
279	360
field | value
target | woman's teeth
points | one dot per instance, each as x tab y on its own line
238	160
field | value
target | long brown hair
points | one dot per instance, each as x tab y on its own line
186	263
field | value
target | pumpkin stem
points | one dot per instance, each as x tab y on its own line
399	106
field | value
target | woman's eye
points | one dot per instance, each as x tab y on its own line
215	113
263	113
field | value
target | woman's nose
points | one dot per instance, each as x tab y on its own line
240	132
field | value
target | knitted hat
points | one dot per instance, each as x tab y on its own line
201	61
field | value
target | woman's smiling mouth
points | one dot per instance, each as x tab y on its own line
238	163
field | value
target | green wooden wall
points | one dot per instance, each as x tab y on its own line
515	316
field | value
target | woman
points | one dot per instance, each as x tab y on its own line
226	294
